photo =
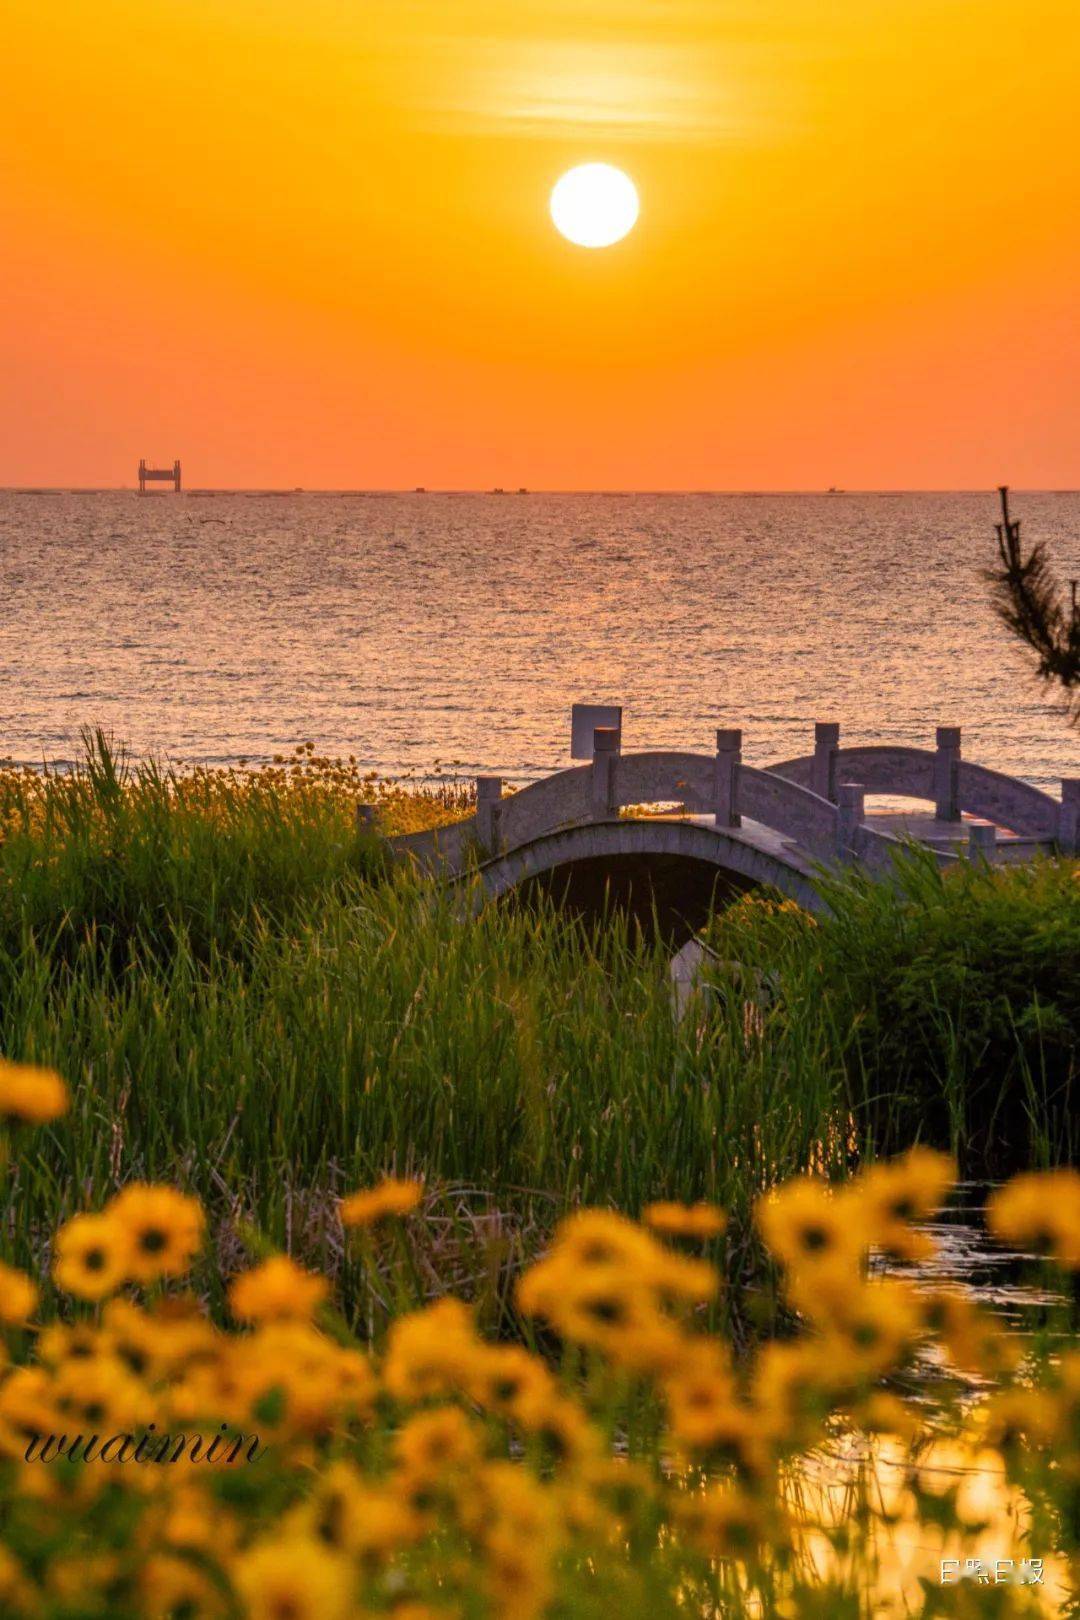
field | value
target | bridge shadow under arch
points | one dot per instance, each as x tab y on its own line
669	896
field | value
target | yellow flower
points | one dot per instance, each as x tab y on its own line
704	1412
355	1381
608	1308
561	1426
790	1389
517	1576
64	1341
1040	1211
682	1280
92	1256
27	1408
515	1500
347	1515
973	1338
430	1352
722	1522
30	1095
289	1377
153	1345
506	1378
99	1395
164	1230
889	1197
540	1288
194	1521
278	1290
390	1197
608	1284
1014	1414
517	1526
18	1296
617	1486
873	1328
600	1237
805	1223
173	1586
685	1220
293	1579
436	1442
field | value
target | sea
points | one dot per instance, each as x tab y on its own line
426	634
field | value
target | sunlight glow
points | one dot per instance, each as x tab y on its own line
594	205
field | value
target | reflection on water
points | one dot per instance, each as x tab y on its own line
873	1483
1026	1297
856	1480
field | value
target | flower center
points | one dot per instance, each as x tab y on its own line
815	1238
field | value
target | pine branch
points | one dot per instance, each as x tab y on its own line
1028	599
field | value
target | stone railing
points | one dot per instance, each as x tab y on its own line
816	801
943	777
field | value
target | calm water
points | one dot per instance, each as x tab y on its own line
1028	1297
413	629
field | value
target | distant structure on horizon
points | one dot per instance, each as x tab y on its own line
159	475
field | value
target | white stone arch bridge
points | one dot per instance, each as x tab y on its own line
730	825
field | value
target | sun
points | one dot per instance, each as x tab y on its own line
594	205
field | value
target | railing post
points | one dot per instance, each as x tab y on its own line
1068	837
947	773
605	754
850	815
982	841
584	719
823	770
726	789
488	795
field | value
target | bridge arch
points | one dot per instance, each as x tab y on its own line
737	824
699	863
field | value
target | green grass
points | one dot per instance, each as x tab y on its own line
514	1055
951	999
245	999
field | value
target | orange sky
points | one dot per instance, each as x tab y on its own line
307	242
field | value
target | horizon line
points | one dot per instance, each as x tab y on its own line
394	489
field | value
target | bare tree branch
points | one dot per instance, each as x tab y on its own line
1029	600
